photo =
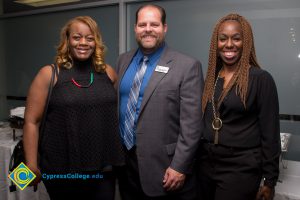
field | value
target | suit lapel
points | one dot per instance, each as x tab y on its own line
125	65
156	77
125	62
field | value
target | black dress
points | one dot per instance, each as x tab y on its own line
81	131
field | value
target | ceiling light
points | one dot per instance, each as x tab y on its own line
39	3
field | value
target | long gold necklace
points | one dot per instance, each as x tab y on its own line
217	122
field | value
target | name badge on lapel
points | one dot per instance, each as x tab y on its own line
162	69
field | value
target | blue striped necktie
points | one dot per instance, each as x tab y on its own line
129	137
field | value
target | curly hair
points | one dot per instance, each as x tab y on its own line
63	57
241	75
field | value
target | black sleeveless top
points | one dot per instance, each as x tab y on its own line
81	130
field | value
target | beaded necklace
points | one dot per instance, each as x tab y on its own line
84	86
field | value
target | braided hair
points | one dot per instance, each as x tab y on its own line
241	75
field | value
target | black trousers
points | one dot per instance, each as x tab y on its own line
79	189
131	189
228	173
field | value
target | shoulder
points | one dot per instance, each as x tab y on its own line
126	54
124	58
258	73
179	56
42	79
261	78
45	73
183	63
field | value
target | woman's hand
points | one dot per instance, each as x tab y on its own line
265	193
37	173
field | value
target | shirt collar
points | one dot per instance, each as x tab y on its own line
153	56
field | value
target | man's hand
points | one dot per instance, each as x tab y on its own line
173	180
265	193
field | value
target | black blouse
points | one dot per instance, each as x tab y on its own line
257	125
81	130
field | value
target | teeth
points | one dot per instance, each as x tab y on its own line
82	51
148	36
229	53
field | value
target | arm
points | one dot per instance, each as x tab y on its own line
190	128
270	134
35	104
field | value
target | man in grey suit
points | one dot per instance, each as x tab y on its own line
160	114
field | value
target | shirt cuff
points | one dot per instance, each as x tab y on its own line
270	183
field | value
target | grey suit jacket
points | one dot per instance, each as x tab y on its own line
169	124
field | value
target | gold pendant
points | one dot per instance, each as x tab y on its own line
216	124
216	138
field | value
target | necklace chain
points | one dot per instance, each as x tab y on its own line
217	122
213	97
214	104
84	86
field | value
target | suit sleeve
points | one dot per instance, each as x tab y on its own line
190	119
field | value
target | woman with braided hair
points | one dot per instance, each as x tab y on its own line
241	138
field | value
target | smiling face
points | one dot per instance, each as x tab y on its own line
230	43
149	29
81	41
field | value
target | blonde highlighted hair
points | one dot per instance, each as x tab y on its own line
248	58
63	56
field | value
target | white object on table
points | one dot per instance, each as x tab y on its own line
7	145
18	112
285	138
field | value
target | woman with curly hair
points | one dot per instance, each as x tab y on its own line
241	141
80	143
